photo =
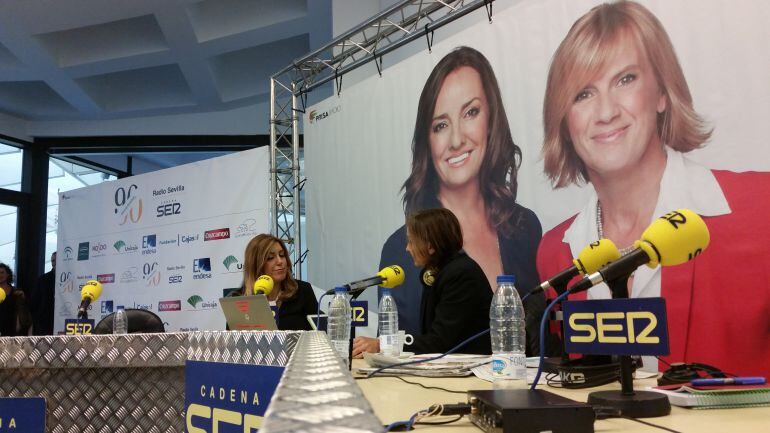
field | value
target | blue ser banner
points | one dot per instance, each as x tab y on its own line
227	398
616	327
22	415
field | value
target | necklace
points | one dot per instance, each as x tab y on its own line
600	229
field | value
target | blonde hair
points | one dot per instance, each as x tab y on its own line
586	49
255	257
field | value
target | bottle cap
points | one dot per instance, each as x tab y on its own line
340	289
385	292
120	307
506	279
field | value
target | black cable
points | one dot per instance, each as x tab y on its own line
604	412
428	386
438	388
649	424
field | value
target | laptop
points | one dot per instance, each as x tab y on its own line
248	313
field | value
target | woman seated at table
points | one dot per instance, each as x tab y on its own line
456	294
267	255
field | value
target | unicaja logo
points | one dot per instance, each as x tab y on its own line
231	260
194	300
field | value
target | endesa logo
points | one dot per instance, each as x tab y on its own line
213	235
149	243
107	307
201	268
168	208
105	278
151	274
169	306
83	251
128	206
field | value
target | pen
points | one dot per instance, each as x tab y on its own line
754	380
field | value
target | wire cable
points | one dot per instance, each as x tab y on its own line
543	321
438	388
318	313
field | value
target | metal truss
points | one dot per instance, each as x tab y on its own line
392	28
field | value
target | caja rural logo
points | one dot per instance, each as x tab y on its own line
128	204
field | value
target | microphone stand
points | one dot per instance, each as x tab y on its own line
635	404
554	363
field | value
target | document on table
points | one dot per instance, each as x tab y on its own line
450	365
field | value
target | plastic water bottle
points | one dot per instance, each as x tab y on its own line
388	325
120	322
507	329
339	322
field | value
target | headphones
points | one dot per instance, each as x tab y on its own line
586	372
679	372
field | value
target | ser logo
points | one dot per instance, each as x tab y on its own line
617	327
128	206
168	209
151	274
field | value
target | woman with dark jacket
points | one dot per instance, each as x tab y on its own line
15	319
456	295
267	255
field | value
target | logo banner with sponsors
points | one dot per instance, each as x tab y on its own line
169	241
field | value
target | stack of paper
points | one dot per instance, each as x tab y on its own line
448	366
717	397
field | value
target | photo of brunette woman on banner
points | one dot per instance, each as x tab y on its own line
464	159
618	115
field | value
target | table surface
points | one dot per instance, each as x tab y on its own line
394	400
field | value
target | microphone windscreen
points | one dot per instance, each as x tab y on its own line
92	290
674	238
2	296
595	256
393	276
263	284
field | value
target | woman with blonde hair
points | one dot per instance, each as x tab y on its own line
618	115
267	255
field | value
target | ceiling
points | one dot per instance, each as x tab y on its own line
114	59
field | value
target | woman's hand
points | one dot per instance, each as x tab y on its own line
365	344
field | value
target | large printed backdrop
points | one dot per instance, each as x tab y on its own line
358	144
170	241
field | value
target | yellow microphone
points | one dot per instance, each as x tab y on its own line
388	277
392	276
673	239
264	285
591	258
88	294
2	296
